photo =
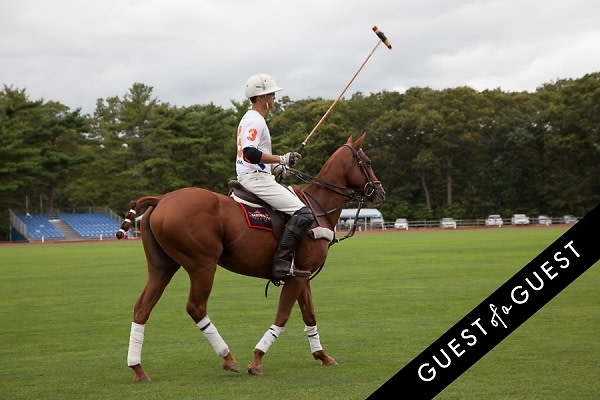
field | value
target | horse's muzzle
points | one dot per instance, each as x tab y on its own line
375	193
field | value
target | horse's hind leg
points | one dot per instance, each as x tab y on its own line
154	288
161	269
310	327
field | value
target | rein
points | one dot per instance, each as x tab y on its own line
352	230
360	198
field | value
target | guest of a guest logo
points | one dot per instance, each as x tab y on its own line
478	328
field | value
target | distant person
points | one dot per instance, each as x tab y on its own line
254	163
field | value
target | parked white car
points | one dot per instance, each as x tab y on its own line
544	220
519	219
401	223
494	220
569	219
377	223
448	223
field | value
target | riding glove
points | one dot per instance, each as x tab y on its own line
289	159
281	169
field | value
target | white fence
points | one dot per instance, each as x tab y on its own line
460	223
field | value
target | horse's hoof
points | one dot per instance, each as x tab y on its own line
231	367
328	362
255	371
141	379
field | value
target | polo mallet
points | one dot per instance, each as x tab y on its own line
382	39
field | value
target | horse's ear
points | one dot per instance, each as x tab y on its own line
358	142
350	140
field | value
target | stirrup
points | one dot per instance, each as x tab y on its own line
297	273
290	272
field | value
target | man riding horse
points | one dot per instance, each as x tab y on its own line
198	230
254	163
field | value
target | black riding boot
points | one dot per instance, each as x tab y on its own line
293	233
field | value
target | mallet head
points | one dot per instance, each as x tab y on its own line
381	36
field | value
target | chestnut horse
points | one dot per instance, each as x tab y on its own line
199	229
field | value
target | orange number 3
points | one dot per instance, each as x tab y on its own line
252	134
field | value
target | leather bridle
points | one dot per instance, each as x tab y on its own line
358	195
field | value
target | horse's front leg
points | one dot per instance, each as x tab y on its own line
310	327
287	298
201	285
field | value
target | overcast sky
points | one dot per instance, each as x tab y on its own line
200	52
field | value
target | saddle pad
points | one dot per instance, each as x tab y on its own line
257	217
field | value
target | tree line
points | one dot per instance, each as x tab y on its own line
453	152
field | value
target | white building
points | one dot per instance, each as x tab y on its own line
368	218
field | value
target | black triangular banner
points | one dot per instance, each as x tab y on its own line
499	315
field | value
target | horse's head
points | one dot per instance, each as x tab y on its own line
360	175
348	169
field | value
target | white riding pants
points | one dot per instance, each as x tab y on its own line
266	187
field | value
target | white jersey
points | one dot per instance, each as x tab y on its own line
252	132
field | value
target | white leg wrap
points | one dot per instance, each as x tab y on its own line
212	335
269	338
313	338
136	341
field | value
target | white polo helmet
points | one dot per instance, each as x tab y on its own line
260	84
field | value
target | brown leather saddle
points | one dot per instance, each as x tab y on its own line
251	204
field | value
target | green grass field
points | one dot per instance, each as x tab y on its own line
65	314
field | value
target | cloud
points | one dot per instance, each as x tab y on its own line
194	52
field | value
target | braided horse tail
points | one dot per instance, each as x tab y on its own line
136	206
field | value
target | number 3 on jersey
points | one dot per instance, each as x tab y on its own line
252	134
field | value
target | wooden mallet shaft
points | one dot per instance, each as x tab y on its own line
382	39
